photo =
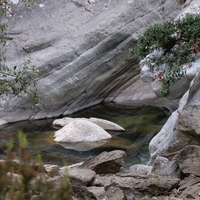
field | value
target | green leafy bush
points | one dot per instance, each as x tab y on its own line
179	41
23	178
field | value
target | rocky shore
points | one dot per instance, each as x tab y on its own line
103	177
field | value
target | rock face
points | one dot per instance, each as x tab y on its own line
79	131
82	49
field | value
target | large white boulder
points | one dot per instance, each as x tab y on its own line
81	130
105	124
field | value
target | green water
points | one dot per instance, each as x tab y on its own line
140	124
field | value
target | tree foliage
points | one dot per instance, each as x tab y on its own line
15	79
180	44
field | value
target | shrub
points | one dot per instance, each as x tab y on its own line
23	178
179	41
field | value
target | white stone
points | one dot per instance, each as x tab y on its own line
81	130
64	121
105	124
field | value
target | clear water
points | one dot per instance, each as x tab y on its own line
140	124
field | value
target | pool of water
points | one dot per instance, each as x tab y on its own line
140	124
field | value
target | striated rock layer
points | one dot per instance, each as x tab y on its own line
82	48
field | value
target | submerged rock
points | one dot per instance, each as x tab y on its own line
81	130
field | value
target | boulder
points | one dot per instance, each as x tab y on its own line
81	176
141	168
106	162
141	185
81	130
82	192
97	191
190	187
102	180
81	61
113	193
105	124
188	160
188	122
163	167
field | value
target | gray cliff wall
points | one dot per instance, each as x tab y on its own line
82	48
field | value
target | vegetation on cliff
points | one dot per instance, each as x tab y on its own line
178	42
